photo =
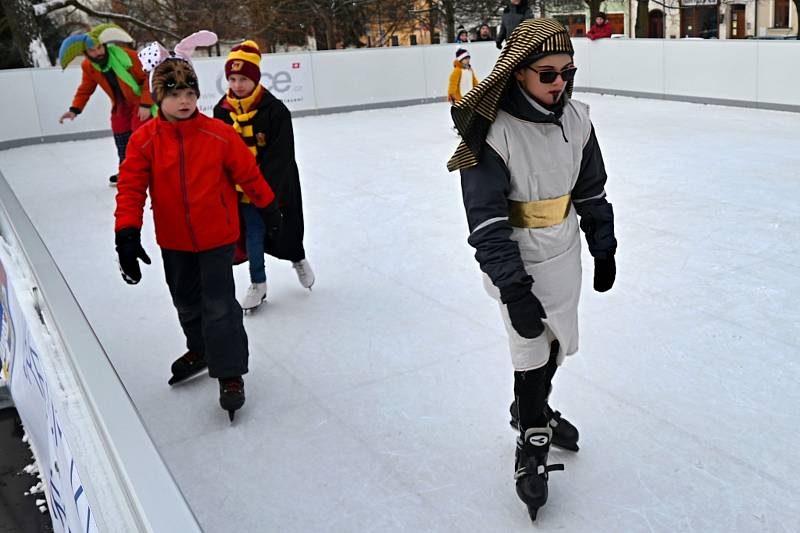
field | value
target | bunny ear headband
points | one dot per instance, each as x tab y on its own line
154	54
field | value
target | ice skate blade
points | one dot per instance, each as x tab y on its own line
174	380
231	414
532	511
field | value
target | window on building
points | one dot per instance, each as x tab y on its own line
781	14
395	40
412	39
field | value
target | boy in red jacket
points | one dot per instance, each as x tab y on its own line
190	163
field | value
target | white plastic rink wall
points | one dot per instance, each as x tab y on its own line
119	482
752	73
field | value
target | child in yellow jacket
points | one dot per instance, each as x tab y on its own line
462	79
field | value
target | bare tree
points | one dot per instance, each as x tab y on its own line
26	33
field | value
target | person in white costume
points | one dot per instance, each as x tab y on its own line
530	167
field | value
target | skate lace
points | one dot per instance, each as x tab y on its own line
252	290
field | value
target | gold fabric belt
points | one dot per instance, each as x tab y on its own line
539	213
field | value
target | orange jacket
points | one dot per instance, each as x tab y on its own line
454	87
190	168
91	78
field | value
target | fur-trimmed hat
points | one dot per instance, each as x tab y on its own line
171	70
244	59
171	75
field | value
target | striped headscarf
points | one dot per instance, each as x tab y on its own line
475	112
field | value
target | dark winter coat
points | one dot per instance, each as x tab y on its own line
512	16
276	159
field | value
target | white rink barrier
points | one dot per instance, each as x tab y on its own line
745	73
101	470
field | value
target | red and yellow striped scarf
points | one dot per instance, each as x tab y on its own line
243	111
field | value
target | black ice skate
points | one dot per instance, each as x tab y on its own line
112	180
565	434
231	394
532	470
188	365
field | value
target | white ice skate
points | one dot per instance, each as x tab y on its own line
255	296
304	273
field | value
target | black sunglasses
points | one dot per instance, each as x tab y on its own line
549	76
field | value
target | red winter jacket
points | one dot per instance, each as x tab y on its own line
190	168
599	32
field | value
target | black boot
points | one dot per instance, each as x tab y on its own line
188	365
565	434
231	394
532	470
112	180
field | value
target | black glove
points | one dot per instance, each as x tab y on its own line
499	45
273	220
524	309
605	271
129	250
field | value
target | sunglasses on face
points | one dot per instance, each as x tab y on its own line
549	76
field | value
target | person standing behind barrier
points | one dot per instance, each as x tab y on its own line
118	71
462	79
265	124
514	13
601	29
462	35
484	33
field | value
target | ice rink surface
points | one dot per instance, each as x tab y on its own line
379	401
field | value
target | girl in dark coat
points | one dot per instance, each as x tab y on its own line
265	124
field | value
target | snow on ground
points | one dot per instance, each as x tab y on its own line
378	402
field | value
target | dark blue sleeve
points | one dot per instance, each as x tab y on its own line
485	189
589	199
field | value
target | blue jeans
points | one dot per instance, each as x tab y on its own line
255	233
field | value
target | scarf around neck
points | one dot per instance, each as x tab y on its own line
242	111
121	63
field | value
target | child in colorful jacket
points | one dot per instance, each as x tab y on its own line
189	163
462	79
265	124
117	70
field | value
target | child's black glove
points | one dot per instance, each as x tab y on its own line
524	308
499	45
273	220
129	250
605	271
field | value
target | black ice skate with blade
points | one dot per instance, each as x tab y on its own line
231	394
532	470
186	366
565	434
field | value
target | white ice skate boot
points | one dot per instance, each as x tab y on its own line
304	273
256	294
